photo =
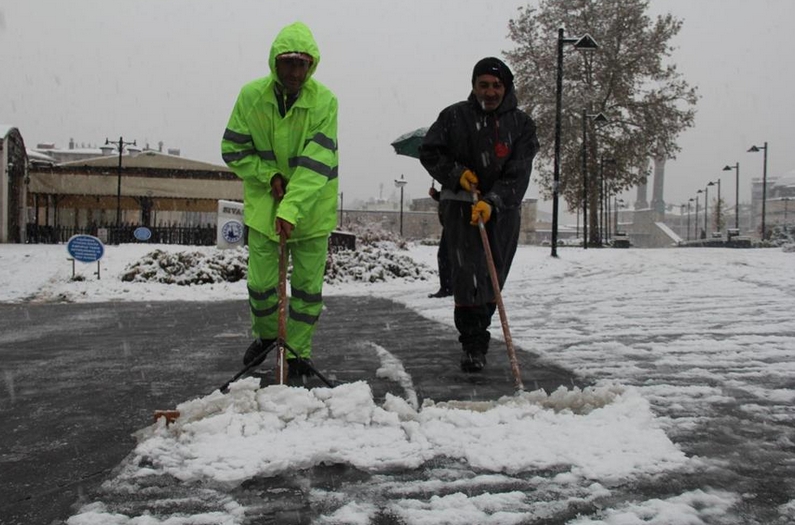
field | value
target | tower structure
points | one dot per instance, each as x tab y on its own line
657	200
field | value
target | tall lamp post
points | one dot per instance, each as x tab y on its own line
598	118
688	217
717	209
584	42
400	183
736	169
695	219
756	149
706	208
120	146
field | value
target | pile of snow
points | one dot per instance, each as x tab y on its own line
605	433
587	441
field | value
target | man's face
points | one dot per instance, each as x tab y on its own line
489	90
292	72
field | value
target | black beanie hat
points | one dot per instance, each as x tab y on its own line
493	66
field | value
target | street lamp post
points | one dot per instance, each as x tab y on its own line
706	207
688	217
717	209
400	183
736	169
584	42
120	146
755	149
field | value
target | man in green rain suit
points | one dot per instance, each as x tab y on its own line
282	141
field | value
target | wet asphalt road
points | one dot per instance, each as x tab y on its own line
80	379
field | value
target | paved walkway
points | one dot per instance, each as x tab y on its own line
80	379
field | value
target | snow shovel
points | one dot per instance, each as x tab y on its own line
281	337
495	283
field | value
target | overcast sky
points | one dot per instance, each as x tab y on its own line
170	71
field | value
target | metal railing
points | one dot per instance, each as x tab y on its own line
164	234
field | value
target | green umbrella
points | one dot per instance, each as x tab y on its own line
409	143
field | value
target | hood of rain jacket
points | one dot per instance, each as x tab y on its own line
296	37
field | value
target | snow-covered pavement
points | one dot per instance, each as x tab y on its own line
692	354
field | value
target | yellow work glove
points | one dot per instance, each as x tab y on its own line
480	210
467	180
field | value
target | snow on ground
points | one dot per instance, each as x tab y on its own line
669	338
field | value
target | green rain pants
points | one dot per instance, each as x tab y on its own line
308	259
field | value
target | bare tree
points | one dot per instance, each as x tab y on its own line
647	101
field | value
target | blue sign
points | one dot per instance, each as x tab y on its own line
142	233
232	231
85	248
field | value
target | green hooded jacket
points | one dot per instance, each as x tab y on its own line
259	143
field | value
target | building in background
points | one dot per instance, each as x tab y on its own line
155	188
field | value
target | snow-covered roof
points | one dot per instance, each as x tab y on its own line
786	181
73	151
35	156
147	159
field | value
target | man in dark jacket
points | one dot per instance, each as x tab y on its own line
482	145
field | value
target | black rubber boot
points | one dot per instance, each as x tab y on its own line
473	361
472	323
300	366
256	351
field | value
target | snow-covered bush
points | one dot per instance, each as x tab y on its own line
783	236
187	268
372	263
375	259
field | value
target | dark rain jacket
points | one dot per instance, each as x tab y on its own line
499	147
302	146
